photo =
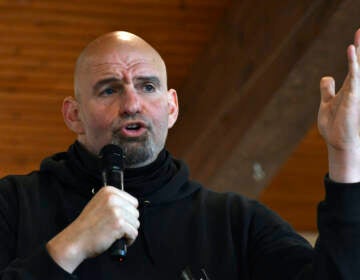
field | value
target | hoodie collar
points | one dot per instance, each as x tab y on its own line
163	180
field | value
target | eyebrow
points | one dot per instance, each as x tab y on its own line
106	81
153	79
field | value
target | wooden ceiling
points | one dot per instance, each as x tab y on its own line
241	69
39	43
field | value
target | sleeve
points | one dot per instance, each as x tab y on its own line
35	267
39	265
277	250
338	245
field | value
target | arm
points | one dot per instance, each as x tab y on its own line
277	250
109	216
38	264
337	251
89	235
338	246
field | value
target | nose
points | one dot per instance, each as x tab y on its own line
131	103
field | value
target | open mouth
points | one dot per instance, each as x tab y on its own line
134	129
133	126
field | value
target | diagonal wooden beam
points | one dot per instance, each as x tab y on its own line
297	187
252	52
291	113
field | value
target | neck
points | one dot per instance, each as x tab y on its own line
136	158
138	181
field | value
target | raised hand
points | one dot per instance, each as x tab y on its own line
339	119
110	215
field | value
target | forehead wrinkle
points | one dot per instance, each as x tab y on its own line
107	46
127	72
117	60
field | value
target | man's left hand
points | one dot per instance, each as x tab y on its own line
339	119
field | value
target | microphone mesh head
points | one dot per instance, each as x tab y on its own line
111	157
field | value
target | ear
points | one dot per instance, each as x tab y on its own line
173	107
70	112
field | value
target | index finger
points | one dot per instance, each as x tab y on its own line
353	69
128	197
357	39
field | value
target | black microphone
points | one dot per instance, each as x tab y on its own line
112	172
186	274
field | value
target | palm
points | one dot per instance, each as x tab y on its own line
339	120
339	115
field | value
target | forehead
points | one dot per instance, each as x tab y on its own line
123	60
118	65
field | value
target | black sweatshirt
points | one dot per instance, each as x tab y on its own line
182	225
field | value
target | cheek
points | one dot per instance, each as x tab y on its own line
160	118
99	119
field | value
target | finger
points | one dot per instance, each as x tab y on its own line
112	200
118	203
128	232
132	211
357	39
129	198
327	89
132	200
128	217
353	68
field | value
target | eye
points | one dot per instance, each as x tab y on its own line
108	91
148	88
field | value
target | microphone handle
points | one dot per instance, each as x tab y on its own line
118	249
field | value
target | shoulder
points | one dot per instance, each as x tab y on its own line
14	188
11	183
15	180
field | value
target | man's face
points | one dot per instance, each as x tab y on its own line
123	100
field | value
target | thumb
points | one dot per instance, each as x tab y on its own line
327	89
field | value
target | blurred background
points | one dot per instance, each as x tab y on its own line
246	71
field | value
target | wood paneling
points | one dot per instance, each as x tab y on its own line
298	187
39	43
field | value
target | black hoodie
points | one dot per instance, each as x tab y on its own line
182	225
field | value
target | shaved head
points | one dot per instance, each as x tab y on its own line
110	46
121	97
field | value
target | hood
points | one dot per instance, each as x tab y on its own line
82	175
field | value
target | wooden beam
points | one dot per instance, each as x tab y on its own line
296	189
252	53
289	115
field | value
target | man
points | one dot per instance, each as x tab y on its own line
59	222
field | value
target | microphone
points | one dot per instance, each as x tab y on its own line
186	274
112	172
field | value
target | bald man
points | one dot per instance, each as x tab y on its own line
59	222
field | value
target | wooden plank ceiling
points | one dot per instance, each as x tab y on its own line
40	40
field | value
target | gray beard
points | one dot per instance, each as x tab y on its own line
138	151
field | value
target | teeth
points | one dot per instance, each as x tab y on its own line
133	126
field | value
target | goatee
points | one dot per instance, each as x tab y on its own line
137	150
